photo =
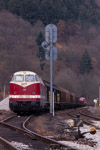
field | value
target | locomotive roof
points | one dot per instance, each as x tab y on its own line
24	72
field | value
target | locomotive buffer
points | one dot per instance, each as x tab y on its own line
50	55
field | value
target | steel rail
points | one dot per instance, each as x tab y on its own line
87	122
94	117
23	131
34	135
46	139
10	117
7	144
16	128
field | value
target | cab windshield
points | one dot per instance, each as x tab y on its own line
29	78
19	78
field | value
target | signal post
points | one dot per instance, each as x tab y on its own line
50	55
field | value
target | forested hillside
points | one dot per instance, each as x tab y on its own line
53	10
22	24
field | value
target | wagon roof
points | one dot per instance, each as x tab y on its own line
56	87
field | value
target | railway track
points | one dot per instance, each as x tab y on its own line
5	145
15	129
91	117
87	119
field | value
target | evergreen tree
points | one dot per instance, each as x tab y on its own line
27	9
40	39
41	52
3	4
85	63
51	11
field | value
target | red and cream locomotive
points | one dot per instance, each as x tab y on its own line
28	92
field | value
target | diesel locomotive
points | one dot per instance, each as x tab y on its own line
28	92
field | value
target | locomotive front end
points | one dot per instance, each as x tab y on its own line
25	92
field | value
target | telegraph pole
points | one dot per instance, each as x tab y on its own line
50	55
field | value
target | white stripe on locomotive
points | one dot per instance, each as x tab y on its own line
26	96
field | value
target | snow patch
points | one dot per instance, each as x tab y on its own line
21	146
77	146
95	138
4	104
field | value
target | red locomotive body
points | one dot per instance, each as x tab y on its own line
27	92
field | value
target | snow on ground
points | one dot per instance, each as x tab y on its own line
4	104
94	138
21	146
78	146
96	123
